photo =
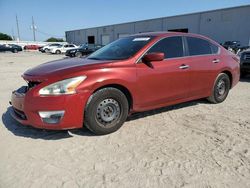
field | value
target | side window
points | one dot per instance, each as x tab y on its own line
172	47
214	48
197	46
66	46
72	46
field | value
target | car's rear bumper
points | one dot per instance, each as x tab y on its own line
25	109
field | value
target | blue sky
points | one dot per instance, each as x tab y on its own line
54	17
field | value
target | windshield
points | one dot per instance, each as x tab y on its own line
123	48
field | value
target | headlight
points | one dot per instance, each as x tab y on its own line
73	51
63	87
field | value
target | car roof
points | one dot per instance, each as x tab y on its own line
163	34
166	34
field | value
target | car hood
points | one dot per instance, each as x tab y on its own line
63	67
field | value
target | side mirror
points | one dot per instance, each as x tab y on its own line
156	56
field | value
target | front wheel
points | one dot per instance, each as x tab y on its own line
106	111
78	54
221	89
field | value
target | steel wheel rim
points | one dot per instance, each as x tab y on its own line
108	112
221	88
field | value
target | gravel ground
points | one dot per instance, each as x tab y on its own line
195	144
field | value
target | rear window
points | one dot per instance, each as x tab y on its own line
197	46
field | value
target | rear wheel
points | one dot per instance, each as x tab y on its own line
106	111
221	89
46	50
58	52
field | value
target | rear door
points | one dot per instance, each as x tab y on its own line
65	48
71	46
204	62
164	81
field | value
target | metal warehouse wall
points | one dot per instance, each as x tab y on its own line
221	25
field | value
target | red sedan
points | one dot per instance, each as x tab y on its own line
31	47
132	74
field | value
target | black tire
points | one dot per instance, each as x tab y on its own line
58	52
15	51
220	89
46	50
110	102
78	54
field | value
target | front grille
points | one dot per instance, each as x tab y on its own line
247	56
20	114
32	84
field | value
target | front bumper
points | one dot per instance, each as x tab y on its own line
26	107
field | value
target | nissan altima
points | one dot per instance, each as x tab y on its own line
132	74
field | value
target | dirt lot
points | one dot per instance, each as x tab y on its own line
195	144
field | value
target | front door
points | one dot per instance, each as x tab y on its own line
164	81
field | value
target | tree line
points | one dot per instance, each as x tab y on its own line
4	36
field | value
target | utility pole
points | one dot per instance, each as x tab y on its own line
34	29
18	34
13	36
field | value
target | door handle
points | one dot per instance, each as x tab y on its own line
216	61
184	66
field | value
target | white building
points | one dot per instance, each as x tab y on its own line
221	25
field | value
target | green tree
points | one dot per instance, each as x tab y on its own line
52	39
4	36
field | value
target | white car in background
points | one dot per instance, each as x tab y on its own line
48	47
62	48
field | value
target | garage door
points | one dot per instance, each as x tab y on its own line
105	39
121	35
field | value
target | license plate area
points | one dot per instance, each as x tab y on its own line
17	98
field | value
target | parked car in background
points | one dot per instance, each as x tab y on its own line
47	48
232	45
132	74
40	47
242	48
31	47
10	47
16	46
62	48
83	50
244	62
